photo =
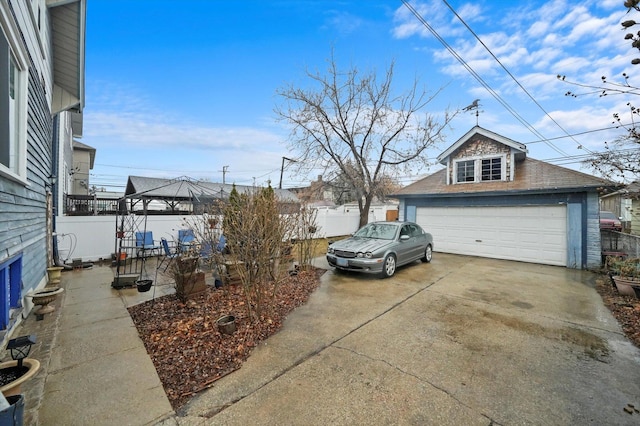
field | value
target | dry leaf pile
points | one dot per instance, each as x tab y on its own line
183	341
625	309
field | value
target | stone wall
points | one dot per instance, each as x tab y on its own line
480	147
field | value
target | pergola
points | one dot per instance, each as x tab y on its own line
145	196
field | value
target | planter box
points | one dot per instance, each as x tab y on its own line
187	265
230	274
190	284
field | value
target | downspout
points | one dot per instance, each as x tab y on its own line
54	190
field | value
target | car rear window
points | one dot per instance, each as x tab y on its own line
608	215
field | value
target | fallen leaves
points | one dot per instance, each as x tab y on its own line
625	309
183	341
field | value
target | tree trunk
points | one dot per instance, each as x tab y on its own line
364	211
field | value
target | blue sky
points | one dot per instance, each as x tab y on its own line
187	88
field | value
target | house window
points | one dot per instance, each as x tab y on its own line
479	170
465	171
13	144
492	169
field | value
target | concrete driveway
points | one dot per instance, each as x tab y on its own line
460	341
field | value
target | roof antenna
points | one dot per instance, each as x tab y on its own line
475	105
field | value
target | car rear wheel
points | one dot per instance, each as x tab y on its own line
389	266
428	254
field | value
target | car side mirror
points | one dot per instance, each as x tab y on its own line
404	237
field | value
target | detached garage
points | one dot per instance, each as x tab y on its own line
493	201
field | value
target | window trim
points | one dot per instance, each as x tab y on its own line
457	164
11	280
10	32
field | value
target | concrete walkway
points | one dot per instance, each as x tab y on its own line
95	369
459	341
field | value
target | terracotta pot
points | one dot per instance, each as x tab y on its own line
625	285
13	388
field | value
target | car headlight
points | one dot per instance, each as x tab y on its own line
366	255
330	250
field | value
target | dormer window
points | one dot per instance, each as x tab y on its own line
492	169
479	170
466	171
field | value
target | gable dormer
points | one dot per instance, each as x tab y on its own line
482	156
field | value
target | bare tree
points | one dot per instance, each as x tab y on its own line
355	126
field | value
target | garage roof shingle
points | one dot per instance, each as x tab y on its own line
530	175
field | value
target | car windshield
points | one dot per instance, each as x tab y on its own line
608	215
383	231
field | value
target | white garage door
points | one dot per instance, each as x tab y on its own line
535	234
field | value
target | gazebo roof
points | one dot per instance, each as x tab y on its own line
187	189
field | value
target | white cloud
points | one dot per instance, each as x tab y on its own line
343	23
134	129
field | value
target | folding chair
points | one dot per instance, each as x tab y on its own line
145	244
222	244
168	254
185	239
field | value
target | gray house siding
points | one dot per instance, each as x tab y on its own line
593	243
23	208
583	237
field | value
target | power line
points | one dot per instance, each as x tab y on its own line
478	78
513	78
586	132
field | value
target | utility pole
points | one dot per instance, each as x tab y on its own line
224	172
282	169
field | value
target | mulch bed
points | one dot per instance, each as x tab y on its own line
625	309
183	341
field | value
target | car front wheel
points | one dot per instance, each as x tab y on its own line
389	266
428	254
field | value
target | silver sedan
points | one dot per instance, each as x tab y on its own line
380	247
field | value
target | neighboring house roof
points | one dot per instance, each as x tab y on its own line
629	191
520	148
186	189
322	203
84	147
530	176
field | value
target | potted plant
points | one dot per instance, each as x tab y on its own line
626	275
20	369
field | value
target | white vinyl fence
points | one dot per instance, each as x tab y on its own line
92	238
